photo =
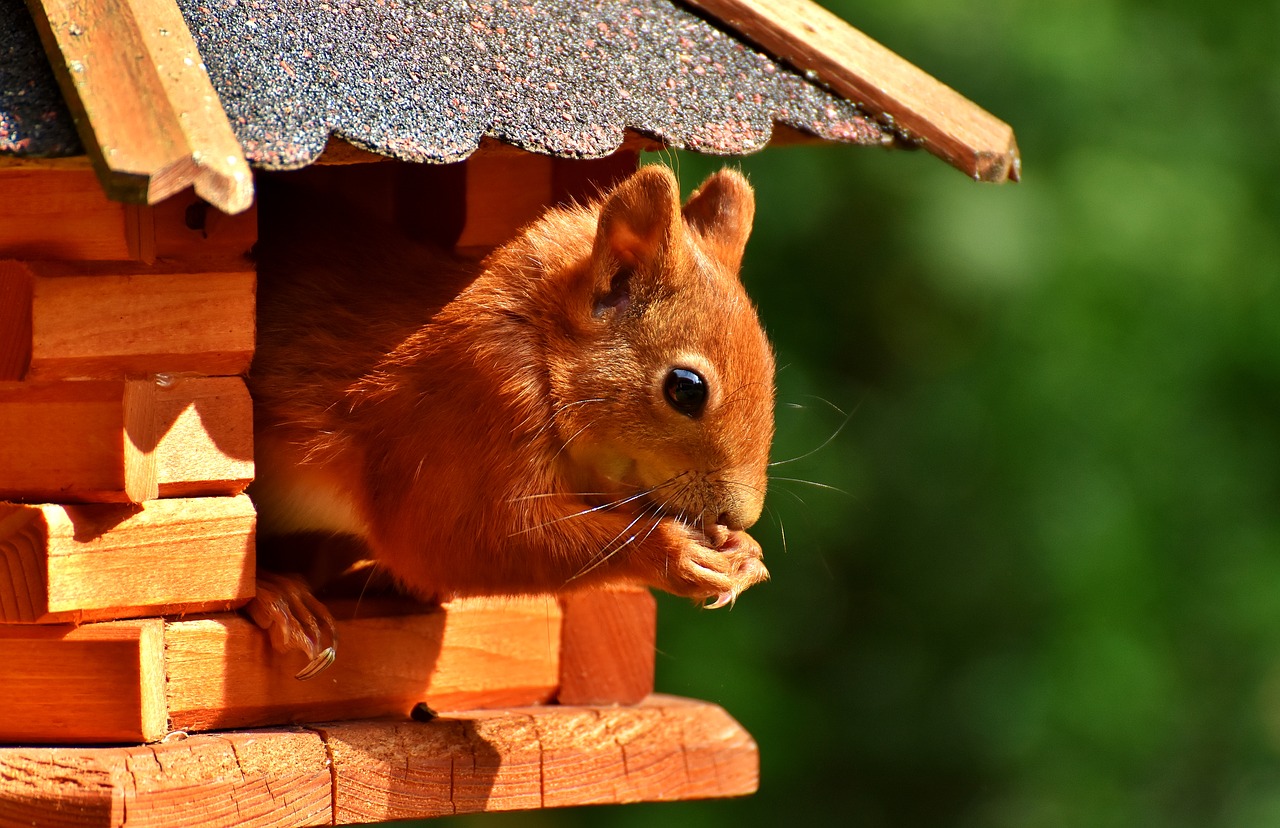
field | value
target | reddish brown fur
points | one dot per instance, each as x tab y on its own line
479	420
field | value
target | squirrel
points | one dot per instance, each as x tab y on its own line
591	403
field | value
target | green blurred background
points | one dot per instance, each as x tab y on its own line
1048	593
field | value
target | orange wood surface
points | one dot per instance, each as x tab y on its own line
472	653
665	749
99	322
607	646
145	107
90	441
60	213
93	683
277	778
97	562
502	760
814	40
505	191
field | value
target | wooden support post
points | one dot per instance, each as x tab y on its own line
505	191
87	563
608	640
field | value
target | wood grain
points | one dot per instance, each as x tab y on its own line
86	563
813	39
96	322
261	778
664	749
472	653
607	646
93	683
146	110
60	213
71	442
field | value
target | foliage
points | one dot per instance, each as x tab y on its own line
1049	594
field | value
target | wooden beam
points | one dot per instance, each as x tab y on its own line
142	100
665	749
90	442
471	653
813	39
59	213
116	321
88	563
607	646
276	778
93	683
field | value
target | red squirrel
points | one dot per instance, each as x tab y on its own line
590	404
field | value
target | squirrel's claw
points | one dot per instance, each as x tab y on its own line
295	620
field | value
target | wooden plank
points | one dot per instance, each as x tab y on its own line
665	749
114	322
147	113
60	213
86	442
88	563
56	678
262	778
607	646
472	653
814	40
356	772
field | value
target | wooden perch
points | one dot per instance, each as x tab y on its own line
666	749
112	322
86	563
608	639
813	39
122	441
143	102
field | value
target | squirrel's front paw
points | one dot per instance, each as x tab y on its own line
718	574
295	619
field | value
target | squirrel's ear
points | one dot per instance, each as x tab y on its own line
640	218
721	210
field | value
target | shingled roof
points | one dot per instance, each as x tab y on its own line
428	81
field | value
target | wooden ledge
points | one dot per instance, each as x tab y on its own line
664	749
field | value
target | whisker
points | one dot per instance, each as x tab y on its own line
603	556
610	505
826	442
816	485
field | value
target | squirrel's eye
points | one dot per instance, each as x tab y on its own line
686	391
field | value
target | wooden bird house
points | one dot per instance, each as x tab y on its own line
141	143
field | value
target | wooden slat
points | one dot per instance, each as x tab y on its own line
16	283
74	442
607	646
187	229
665	749
814	40
472	653
59	213
147	112
110	323
87	563
94	683
261	778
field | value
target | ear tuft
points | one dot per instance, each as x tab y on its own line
640	218
721	210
